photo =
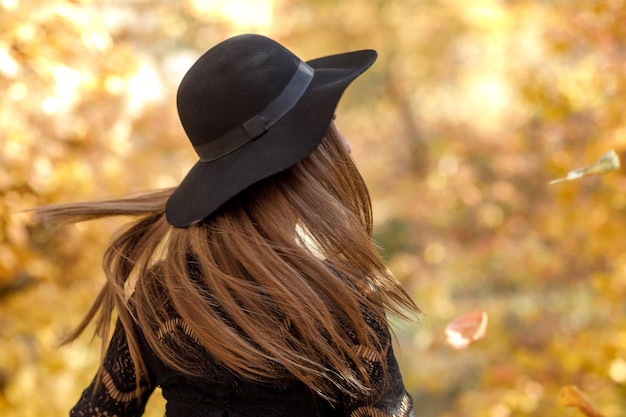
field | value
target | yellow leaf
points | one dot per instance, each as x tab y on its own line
466	329
571	396
607	163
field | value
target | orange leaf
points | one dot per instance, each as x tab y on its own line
571	396
466	329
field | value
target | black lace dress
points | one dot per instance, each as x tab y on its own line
219	393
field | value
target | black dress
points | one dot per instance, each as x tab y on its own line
220	393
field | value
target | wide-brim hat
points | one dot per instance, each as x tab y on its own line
251	109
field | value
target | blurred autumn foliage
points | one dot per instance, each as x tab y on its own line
472	108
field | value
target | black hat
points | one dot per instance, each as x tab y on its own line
251	109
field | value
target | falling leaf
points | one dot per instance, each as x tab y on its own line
571	396
466	329
607	162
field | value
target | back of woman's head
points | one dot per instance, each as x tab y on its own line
323	198
283	273
262	257
283	279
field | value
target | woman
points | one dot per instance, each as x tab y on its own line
253	288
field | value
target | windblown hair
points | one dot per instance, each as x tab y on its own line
277	282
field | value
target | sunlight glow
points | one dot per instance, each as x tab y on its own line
9	4
144	86
98	40
66	90
617	370
17	91
8	65
242	14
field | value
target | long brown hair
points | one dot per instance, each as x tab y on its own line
279	281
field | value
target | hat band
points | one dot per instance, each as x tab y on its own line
262	122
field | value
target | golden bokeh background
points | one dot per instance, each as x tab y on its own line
471	109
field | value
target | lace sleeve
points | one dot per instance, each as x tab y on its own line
116	393
390	398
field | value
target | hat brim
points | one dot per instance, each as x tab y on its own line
208	185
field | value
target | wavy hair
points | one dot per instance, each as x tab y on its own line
279	281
